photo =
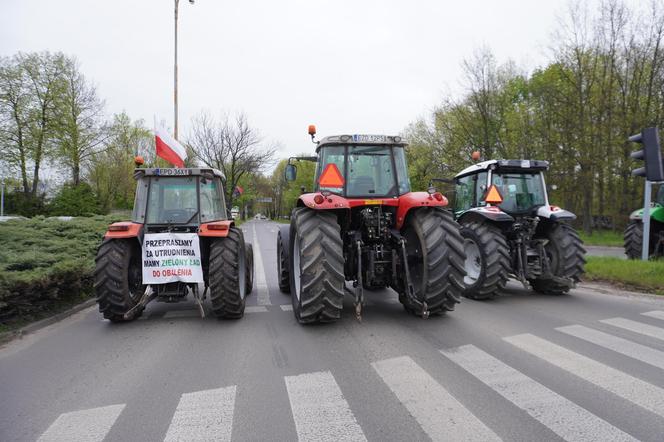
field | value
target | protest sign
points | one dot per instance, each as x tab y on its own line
170	257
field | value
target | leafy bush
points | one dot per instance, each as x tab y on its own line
46	263
75	201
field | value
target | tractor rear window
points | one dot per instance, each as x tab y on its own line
370	171
172	201
520	192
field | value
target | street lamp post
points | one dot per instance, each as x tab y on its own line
175	71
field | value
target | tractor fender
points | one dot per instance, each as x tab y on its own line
414	200
329	202
555	213
490	213
217	229
656	212
124	229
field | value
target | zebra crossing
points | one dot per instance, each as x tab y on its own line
320	411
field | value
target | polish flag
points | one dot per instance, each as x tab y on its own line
169	148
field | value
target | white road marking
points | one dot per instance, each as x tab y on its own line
262	291
85	425
255	309
636	327
181	314
439	414
617	382
619	345
287	307
560	415
203	416
657	314
319	409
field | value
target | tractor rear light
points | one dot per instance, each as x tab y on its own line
554	208
118	228
319	199
213	226
438	196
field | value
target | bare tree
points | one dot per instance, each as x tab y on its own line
81	130
230	145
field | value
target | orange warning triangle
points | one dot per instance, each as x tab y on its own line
493	195
331	177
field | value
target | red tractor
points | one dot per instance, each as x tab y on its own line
363	224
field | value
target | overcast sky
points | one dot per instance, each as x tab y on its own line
346	66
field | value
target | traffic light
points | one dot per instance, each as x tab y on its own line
651	154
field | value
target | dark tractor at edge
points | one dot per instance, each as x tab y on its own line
510	229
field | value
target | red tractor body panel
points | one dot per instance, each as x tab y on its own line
216	229
123	229
403	203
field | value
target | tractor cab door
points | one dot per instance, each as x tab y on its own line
469	192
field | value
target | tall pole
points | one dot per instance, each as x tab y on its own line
645	250
2	199
175	73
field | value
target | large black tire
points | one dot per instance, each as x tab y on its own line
487	261
282	262
118	278
227	275
249	275
435	259
566	258
634	240
316	266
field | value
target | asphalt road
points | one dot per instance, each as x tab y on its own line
586	366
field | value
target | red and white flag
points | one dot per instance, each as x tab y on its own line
169	148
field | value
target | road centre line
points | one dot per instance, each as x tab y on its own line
287	307
319	409
85	425
262	291
617	382
440	415
619	345
562	416
203	416
636	327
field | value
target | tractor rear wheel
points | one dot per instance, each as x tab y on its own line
316	266
487	261
634	240
119	278
566	259
249	275
435	259
227	275
282	263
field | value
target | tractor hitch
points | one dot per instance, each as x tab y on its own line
148	296
410	289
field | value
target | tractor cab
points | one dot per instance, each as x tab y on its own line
362	166
516	187
178	199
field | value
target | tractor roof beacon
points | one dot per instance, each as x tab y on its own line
510	229
363	224
179	237
634	230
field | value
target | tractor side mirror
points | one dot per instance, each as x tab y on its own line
290	172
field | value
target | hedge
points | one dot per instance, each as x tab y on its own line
46	263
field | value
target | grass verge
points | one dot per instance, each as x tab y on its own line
648	276
609	238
